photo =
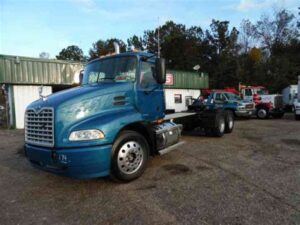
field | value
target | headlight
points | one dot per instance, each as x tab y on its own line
84	135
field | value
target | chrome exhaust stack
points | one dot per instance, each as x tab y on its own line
117	47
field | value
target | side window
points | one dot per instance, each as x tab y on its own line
218	97
93	77
188	100
248	92
223	97
178	98
147	75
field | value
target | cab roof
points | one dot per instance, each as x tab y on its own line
133	53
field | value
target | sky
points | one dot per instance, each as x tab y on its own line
29	27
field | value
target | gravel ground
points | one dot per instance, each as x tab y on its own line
251	176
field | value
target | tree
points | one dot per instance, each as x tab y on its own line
247	35
280	29
72	53
101	47
44	55
181	46
266	52
135	42
223	51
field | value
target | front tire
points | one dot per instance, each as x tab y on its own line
130	156
297	117
262	113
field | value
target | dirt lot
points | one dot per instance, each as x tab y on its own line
251	176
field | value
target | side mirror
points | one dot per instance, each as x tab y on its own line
160	67
81	77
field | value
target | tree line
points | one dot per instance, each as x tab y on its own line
263	53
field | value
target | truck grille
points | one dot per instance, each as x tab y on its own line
39	128
249	106
278	102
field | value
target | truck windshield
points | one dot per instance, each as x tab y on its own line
231	96
262	91
118	69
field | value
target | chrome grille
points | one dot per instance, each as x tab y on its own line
249	106
278	101
39	128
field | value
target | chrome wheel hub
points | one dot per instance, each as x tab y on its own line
130	157
262	113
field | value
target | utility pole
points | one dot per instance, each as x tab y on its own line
158	41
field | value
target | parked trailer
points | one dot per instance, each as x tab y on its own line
112	122
297	103
289	96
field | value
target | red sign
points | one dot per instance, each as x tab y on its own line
169	79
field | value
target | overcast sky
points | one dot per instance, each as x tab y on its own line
28	27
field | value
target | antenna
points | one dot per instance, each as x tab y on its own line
158	41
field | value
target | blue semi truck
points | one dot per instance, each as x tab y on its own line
113	122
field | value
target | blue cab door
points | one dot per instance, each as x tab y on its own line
150	98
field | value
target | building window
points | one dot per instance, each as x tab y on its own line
178	98
188	100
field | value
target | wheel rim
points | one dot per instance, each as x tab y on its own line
222	126
262	113
130	157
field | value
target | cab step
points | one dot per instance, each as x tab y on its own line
170	148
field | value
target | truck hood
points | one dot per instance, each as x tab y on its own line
79	94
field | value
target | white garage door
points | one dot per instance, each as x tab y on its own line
23	96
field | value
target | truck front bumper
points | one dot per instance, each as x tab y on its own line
83	163
244	113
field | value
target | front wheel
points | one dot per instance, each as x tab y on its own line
262	113
130	156
297	117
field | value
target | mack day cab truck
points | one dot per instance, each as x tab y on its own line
113	122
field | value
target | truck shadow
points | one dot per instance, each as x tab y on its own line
194	133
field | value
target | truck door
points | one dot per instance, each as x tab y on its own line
219	100
247	94
151	102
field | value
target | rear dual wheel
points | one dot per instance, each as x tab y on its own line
229	121
219	129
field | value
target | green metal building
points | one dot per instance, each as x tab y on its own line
20	78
